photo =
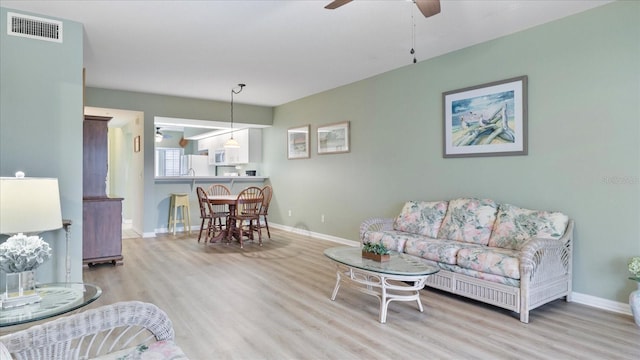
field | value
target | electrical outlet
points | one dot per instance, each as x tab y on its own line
289	212
322	218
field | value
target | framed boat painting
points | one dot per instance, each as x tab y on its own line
298	142
333	138
486	120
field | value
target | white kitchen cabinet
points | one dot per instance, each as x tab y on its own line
216	143
250	146
250	150
204	144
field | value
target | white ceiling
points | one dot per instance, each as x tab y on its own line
282	50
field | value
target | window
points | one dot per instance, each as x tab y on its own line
168	161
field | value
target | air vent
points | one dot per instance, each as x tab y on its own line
34	27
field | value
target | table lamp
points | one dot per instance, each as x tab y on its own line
27	206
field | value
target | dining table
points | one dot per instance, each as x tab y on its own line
231	201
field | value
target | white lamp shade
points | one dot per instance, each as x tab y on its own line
29	205
231	144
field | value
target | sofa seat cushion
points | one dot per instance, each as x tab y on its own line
480	275
421	217
440	250
469	220
392	239
497	261
514	226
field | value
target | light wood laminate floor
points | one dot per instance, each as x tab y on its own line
272	302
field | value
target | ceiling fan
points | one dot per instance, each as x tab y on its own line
159	136
427	7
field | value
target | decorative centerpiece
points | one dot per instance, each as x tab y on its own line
634	297
20	255
376	252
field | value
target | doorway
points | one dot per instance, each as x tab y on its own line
125	165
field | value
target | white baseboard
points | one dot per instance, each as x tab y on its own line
601	303
315	235
579	298
165	230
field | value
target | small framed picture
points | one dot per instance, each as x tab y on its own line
486	120
136	144
298	142
333	138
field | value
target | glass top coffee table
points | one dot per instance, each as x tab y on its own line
57	299
388	281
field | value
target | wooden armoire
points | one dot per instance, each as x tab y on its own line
101	214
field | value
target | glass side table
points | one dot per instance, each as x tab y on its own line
57	299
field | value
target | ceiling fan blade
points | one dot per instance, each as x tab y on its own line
336	4
428	7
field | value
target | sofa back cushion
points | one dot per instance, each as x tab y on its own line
514	226
469	220
421	217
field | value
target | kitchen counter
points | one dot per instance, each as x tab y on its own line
209	179
164	186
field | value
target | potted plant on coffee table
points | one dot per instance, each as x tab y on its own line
377	252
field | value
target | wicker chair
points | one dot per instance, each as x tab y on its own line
117	328
248	209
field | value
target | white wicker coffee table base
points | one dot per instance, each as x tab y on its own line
385	287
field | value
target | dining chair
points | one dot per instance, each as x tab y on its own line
206	213
267	193
247	209
219	211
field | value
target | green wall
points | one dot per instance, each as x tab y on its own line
584	141
41	127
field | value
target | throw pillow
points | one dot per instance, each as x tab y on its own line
421	217
469	220
514	226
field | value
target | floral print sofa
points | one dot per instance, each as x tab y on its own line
501	254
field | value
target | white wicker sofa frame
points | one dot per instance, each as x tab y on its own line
89	334
545	268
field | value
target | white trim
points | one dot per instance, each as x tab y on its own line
127	224
601	303
579	298
315	235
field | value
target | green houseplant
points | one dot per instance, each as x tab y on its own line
377	252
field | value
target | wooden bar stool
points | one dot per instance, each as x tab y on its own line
179	200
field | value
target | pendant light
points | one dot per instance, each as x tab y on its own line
232	143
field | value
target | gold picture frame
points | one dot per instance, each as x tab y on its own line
334	138
298	142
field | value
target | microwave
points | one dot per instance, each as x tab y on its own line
220	156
